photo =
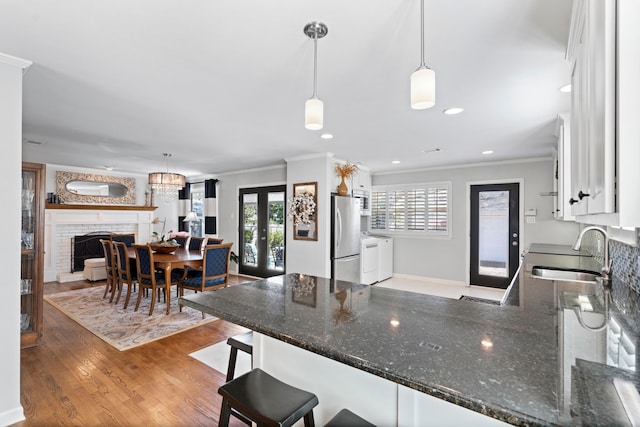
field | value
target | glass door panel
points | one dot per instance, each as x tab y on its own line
275	236
27	251
249	224
493	229
262	234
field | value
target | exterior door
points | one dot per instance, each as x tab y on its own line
262	228
495	234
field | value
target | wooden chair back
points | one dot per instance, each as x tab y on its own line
128	239
181	240
125	273
110	266
148	277
195	243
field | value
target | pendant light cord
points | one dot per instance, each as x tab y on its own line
422	64
315	64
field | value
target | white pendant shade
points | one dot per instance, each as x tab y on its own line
423	88
313	114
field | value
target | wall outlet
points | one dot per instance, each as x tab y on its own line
531	220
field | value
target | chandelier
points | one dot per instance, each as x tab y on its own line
166	185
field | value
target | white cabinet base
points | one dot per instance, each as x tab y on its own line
381	402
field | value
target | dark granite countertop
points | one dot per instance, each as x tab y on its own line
505	362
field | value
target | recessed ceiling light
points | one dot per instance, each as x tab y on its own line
487	152
395	162
565	88
326	136
453	110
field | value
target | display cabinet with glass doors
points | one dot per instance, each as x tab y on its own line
32	253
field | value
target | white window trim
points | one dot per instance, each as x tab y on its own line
417	234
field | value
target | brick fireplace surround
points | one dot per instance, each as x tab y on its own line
62	222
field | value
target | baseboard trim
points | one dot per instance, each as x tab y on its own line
446	282
12	416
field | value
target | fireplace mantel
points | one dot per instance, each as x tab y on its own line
100	207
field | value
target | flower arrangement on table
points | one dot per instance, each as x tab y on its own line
302	208
163	239
345	171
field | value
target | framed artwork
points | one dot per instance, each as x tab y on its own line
303	210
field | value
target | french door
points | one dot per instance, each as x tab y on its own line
261	233
495	234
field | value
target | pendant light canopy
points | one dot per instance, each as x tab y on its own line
314	108
423	80
166	185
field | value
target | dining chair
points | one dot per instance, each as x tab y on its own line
196	243
181	240
125	273
111	268
148	276
214	274
213	241
128	239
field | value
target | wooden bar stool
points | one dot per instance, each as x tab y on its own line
242	342
266	401
346	418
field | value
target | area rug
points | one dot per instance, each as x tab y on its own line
478	299
216	356
125	329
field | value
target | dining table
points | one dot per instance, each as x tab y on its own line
180	258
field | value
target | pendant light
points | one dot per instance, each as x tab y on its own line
423	80
166	184
313	108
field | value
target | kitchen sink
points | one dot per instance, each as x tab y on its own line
570	275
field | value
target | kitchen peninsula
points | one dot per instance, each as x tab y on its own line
412	352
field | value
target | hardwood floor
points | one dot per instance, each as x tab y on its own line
75	378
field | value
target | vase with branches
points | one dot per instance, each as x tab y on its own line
345	171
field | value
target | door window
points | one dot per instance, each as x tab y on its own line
262	236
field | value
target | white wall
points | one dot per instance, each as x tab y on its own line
311	256
446	259
11	70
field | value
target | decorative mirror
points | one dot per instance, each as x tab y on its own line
93	189
90	188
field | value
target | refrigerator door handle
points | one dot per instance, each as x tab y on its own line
339	222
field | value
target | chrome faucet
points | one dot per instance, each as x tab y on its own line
606	267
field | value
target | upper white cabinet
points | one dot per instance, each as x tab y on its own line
592	47
362	180
603	46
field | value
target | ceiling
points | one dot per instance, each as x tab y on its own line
221	84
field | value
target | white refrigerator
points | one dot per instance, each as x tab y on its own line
345	239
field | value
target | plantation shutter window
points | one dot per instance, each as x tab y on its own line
420	209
